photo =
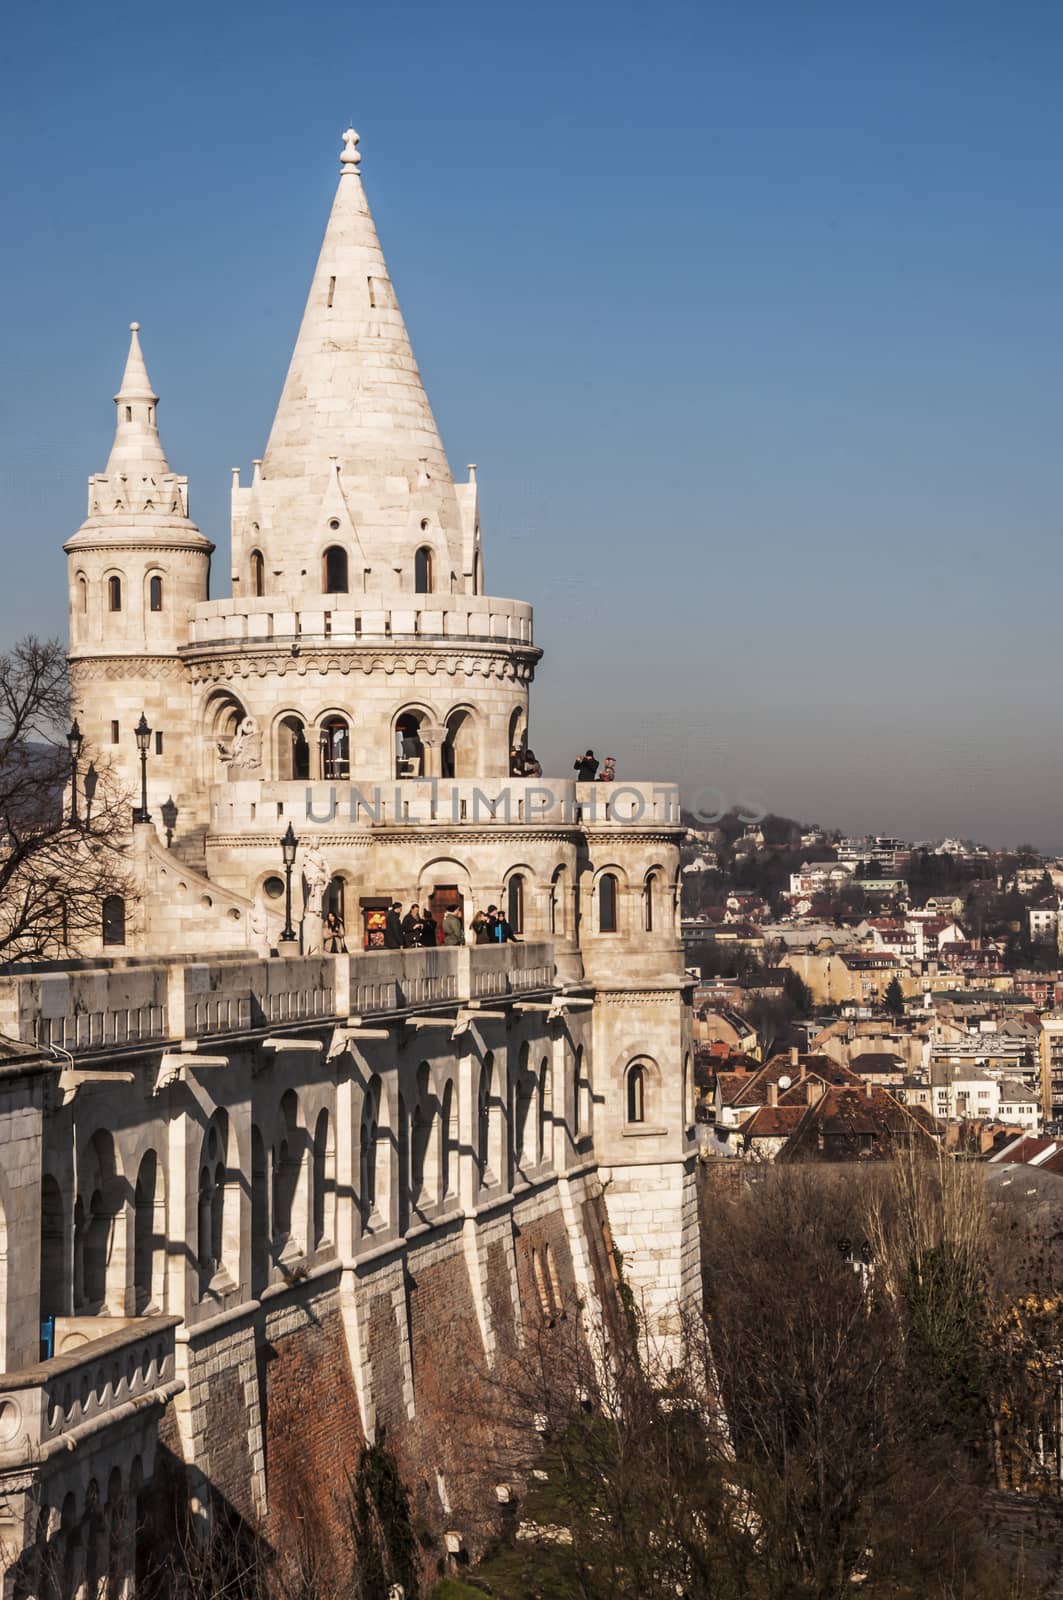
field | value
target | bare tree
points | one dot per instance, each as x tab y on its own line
55	870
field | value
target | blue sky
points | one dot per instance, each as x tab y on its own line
750	314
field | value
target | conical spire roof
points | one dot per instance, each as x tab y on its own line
353	402
137	446
353	390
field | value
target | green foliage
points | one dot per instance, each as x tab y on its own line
893	999
385	1546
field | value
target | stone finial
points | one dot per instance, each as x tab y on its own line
351	159
134	327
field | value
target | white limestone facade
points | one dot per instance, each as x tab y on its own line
451	1105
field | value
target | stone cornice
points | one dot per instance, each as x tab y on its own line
151	539
407	833
127	666
211	663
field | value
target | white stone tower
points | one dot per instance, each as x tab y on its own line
137	566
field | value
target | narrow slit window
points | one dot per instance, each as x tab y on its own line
155	593
158	743
636	1094
331	291
129	413
114	733
114	594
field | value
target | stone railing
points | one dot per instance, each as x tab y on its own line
345	619
254	806
85	1011
104	1379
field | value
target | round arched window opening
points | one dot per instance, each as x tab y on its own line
607	903
114	594
258	573
636	1093
155	593
334	569
515	903
422	570
273	888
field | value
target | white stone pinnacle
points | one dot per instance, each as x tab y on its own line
350	159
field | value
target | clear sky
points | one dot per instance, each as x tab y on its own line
749	313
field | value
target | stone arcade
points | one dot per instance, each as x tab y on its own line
255	1206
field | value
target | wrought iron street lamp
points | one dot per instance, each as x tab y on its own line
168	811
143	737
74	742
289	845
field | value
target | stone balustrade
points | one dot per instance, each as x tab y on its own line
117	1364
254	806
344	619
86	1011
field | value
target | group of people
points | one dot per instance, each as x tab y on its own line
418	929
586	769
523	763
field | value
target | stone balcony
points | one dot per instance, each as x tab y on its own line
135	1006
254	806
351	620
108	1369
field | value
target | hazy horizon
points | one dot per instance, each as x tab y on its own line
750	317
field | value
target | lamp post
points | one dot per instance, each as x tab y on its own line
143	737
74	742
289	845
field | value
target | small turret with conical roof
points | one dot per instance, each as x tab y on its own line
137	567
138	563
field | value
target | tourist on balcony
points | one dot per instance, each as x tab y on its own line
393	927
586	767
430	934
516	763
453	932
608	772
501	932
412	928
532	768
335	935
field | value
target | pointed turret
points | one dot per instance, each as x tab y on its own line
137	446
353	416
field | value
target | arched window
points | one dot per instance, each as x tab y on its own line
579	1110
447	1141
114	594
367	1174
83	593
54	1296
146	1235
287	1170
213	1180
458	752
324	1183
259	1213
478	574
409	751
334	569
155	593
293	751
483	1117
607	902
636	1093
422	570
424	1166
99	1179
545	1151
649	891
113	910
515	902
334	748
258	573
557	902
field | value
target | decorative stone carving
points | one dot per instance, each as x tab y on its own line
316	878
242	754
